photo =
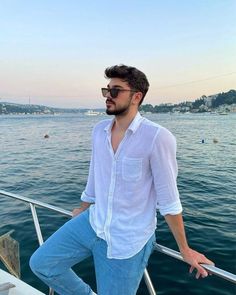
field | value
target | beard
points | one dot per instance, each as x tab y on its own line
118	111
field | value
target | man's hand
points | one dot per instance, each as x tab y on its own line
77	211
194	258
189	255
83	207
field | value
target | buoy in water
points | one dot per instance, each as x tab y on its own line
46	136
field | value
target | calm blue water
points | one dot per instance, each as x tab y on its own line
54	170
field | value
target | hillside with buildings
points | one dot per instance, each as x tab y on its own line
28	109
222	102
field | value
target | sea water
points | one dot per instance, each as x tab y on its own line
54	170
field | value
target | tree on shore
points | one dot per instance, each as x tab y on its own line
224	98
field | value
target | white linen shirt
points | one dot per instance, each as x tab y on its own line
126	187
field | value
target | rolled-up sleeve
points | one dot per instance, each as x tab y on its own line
165	170
88	195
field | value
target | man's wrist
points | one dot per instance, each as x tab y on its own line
85	205
184	249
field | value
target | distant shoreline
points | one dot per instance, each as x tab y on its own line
222	103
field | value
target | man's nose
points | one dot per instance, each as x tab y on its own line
108	95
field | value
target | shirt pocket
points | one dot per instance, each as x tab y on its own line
131	169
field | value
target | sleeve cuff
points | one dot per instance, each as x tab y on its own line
172	209
86	198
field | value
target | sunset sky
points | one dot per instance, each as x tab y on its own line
55	52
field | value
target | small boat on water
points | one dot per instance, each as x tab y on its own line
223	113
92	113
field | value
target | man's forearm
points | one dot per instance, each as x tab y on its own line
176	224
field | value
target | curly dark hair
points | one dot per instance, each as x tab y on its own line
136	79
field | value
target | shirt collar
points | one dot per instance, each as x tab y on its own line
132	127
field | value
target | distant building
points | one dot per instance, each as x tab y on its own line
208	100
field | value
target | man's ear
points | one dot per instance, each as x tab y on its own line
137	97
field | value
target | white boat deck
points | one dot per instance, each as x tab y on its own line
20	288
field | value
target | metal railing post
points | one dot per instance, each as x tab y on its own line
149	283
38	232
36	224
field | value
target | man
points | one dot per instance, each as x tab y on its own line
132	172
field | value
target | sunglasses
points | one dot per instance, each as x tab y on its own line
114	92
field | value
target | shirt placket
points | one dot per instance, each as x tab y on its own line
111	191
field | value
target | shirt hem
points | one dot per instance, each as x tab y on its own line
133	254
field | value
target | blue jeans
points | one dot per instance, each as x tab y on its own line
75	241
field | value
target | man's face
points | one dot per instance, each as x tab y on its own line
121	104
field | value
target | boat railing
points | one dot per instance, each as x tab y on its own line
35	203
